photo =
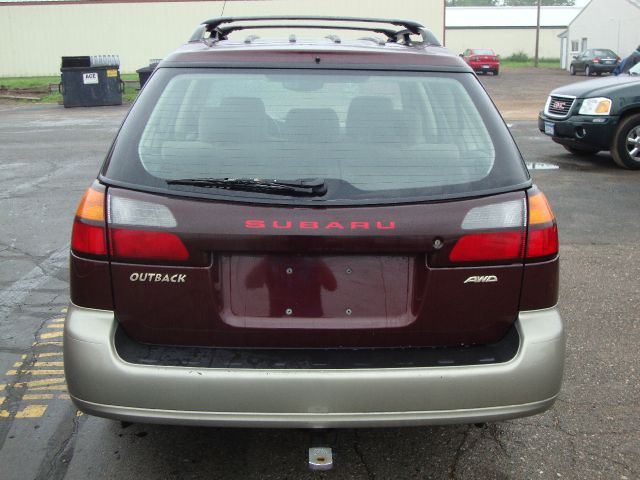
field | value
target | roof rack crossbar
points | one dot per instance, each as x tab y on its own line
219	31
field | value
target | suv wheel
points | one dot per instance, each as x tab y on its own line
625	147
587	71
572	70
581	151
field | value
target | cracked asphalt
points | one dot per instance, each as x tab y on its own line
48	157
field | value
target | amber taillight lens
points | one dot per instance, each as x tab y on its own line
543	231
89	235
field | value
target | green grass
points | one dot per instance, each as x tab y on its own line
543	63
19	83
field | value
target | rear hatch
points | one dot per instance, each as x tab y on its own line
238	275
415	235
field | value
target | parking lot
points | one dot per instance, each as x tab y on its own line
50	155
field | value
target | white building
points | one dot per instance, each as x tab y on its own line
507	30
613	24
34	34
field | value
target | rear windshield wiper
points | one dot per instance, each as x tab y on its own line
299	187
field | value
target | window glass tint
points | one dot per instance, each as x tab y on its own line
604	53
483	51
373	133
369	135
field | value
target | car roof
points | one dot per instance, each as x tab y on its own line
388	47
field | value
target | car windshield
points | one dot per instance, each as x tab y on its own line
482	51
366	135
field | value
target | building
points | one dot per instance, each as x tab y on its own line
613	24
507	30
34	34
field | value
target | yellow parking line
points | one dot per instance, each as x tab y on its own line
48	354
32	411
17	364
52	387
48	364
37	396
51	335
37	372
2	400
44	344
64	310
56	325
4	414
3	386
40	383
64	396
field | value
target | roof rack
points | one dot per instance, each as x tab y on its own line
220	28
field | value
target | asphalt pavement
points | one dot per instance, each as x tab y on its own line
50	155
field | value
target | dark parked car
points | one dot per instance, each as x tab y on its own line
482	60
594	61
595	115
313	233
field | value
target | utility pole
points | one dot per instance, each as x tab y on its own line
535	64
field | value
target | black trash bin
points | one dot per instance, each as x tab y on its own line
89	81
145	72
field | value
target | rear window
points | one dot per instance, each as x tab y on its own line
604	53
370	136
483	51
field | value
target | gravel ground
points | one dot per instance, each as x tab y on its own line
520	93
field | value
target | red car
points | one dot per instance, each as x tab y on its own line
482	60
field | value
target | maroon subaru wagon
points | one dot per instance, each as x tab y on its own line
316	233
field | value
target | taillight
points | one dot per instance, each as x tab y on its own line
148	245
89	236
508	232
596	60
136	231
496	234
543	231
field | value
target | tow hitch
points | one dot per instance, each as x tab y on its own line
320	454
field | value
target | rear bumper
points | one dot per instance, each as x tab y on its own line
485	66
102	384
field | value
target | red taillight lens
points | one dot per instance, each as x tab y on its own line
88	235
147	244
543	231
488	247
88	239
596	60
